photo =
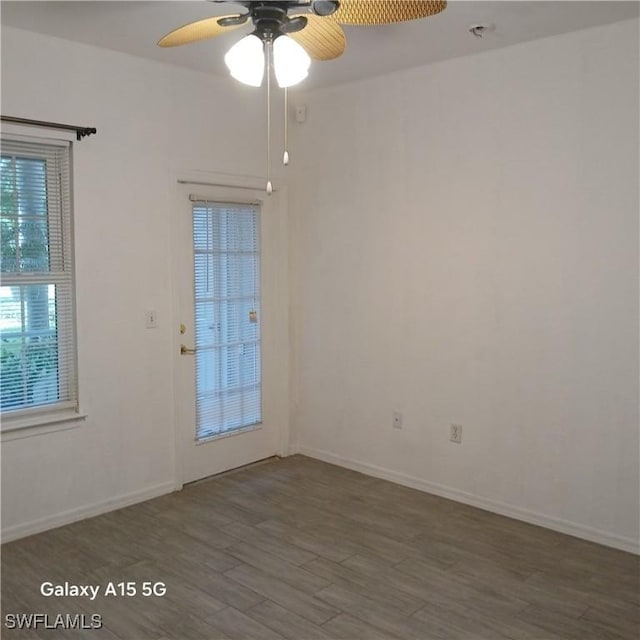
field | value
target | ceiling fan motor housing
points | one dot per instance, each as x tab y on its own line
271	20
324	7
272	16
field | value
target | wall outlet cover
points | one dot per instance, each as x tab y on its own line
455	433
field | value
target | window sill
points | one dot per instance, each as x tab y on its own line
229	434
40	424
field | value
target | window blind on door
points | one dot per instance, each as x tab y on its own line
227	314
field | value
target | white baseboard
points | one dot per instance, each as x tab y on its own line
293	449
87	511
532	517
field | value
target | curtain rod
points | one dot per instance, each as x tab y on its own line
81	132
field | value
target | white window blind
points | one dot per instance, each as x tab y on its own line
38	355
227	317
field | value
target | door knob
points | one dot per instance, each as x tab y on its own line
185	351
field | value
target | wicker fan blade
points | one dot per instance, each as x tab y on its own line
374	12
321	38
194	31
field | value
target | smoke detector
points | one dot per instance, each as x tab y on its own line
479	30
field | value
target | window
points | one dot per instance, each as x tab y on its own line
38	359
227	311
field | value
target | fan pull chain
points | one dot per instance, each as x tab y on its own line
285	158
268	48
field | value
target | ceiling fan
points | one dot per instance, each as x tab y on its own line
292	32
314	25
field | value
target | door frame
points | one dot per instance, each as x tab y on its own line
274	286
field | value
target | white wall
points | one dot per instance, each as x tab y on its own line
153	122
465	243
465	250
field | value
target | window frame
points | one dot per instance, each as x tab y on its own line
27	421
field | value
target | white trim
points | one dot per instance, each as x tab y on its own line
34	133
221	184
228	434
37	425
504	509
194	197
289	449
221	180
88	511
62	414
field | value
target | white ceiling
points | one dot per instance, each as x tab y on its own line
134	27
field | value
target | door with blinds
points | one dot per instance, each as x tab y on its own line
226	267
221	420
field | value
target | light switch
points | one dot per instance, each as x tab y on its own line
152	319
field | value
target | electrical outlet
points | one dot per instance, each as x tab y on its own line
455	433
397	420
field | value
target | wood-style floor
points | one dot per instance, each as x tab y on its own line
303	550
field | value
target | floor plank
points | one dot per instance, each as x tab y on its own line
287	623
298	549
283	594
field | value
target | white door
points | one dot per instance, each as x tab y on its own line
226	416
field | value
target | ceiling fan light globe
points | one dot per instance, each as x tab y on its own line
290	61
245	60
